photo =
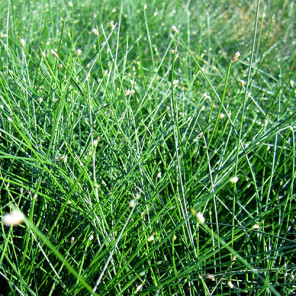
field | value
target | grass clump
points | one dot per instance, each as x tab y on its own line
146	157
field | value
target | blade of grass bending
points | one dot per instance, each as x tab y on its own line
240	258
58	255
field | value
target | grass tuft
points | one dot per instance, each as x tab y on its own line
147	148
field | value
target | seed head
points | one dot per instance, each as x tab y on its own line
210	277
95	31
175	29
132	203
14	218
255	226
235	56
59	157
200	218
175	82
230	285
95	143
112	25
139	288
150	238
233	180
54	53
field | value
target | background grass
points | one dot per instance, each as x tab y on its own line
107	152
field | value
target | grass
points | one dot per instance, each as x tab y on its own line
123	125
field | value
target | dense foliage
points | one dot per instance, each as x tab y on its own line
123	125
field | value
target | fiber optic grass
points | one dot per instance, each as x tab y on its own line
124	125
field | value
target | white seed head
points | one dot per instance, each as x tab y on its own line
132	203
23	42
210	277
91	237
54	53
175	82
230	285
233	180
255	226
221	115
175	29
150	238
142	273
70	4
79	51
59	157
95	143
14	218
95	31
265	122
235	56
40	100
139	288
112	25
9	119
200	218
